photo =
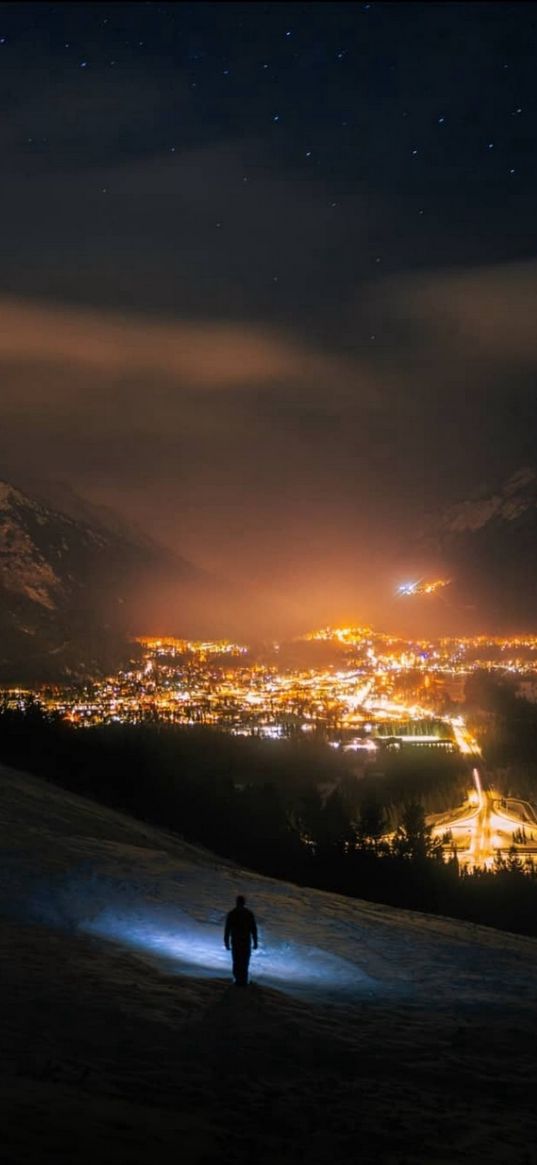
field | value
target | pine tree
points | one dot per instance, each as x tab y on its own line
371	825
414	838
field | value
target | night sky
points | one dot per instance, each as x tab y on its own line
268	274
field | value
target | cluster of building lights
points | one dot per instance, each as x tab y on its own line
423	586
364	690
347	678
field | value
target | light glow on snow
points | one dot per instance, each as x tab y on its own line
196	948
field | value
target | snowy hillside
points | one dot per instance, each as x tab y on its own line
64	583
368	1033
487	546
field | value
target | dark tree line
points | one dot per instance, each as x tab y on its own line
290	810
507	727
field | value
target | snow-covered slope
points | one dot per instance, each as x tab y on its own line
368	1033
75	585
487	545
512	500
63	587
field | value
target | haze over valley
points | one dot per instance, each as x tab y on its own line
268	582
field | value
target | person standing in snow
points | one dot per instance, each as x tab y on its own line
240	933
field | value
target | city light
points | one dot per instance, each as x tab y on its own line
366	680
423	586
365	693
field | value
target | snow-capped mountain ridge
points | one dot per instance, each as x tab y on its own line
515	498
7	493
63	584
24	568
487	545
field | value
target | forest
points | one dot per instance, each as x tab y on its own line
295	810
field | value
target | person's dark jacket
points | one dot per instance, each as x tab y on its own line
241	928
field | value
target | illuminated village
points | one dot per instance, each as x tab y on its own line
354	684
362	691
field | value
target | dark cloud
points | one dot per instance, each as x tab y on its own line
197	354
223	439
270	449
486	313
236	306
184	235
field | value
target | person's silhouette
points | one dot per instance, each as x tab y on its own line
241	934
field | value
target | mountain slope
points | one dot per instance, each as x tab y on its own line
65	585
487	546
368	1031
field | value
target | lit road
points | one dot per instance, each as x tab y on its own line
482	828
470	826
467	744
526	817
484	825
481	847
